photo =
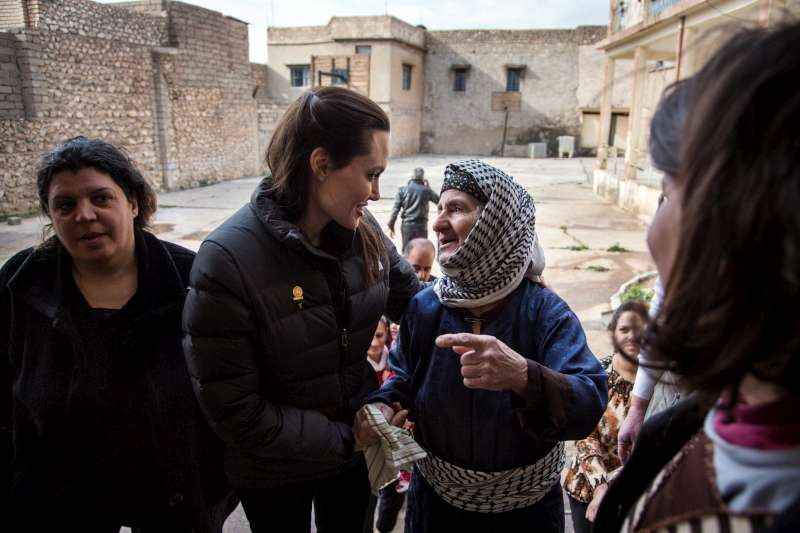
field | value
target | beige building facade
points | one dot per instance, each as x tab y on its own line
651	44
454	92
381	57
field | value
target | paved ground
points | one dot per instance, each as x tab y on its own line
575	227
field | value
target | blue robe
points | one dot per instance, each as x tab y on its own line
491	430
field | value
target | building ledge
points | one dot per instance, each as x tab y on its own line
651	23
639	198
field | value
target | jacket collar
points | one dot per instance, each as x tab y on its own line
336	240
41	280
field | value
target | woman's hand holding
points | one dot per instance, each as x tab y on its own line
364	434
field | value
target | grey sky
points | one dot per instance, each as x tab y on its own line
434	14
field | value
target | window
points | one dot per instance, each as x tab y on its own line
340	76
460	80
407	77
514	75
363	49
300	75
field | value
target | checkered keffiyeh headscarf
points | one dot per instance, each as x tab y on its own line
502	247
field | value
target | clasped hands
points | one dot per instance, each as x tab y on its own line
486	363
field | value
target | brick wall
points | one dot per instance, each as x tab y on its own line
75	79
464	122
11	104
270	112
169	82
12	14
211	92
152	7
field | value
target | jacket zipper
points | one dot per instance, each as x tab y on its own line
344	336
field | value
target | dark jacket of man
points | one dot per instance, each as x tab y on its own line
413	200
276	332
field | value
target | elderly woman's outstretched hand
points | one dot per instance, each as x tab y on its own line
487	363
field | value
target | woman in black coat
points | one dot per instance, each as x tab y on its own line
284	299
100	426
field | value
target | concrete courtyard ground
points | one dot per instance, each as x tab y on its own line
576	229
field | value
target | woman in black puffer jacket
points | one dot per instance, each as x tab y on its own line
284	299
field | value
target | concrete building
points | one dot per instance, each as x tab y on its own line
654	43
381	57
457	92
168	81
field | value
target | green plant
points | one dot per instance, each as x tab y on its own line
617	248
634	291
597	268
578	247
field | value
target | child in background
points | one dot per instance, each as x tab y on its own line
391	497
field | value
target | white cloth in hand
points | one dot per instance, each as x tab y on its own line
397	450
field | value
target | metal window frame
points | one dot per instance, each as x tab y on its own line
407	69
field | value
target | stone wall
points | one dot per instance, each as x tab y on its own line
11	102
76	80
270	112
463	122
211	96
169	82
12	15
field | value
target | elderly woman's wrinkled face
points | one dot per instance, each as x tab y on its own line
92	217
458	213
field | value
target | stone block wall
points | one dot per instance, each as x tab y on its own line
12	14
76	79
11	102
211	93
270	112
169	82
463	122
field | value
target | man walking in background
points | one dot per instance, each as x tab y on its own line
411	202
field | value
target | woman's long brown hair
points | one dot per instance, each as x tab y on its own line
341	121
732	304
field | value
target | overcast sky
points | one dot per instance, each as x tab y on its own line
434	14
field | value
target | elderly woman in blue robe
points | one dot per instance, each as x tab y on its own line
492	367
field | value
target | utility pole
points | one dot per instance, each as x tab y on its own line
505	130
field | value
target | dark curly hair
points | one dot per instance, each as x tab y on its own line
81	152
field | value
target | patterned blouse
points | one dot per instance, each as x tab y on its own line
596	455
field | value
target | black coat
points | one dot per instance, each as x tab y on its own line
276	336
43	352
412	199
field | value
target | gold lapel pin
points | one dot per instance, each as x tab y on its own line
297	296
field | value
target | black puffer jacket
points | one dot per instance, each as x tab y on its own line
45	366
276	336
